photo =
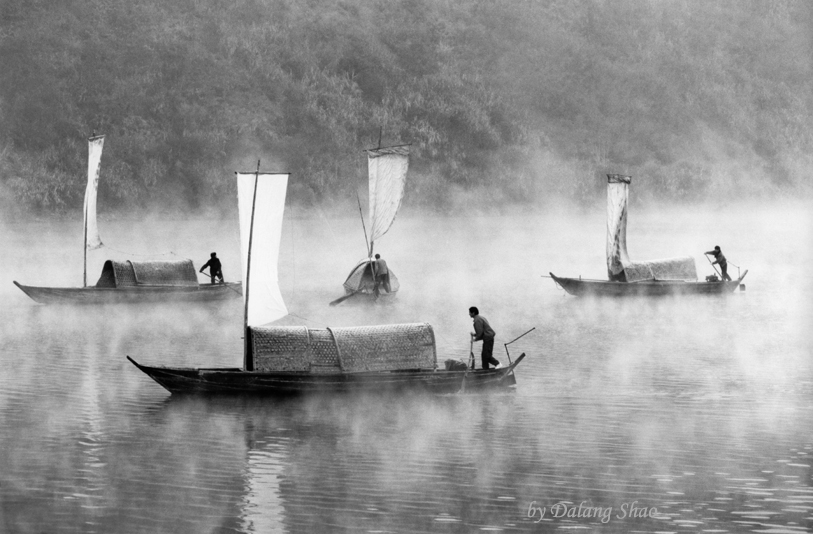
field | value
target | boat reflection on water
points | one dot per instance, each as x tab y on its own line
349	463
421	464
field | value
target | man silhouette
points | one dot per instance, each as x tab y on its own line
484	332
719	259
382	274
215	269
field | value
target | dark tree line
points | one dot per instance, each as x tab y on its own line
522	99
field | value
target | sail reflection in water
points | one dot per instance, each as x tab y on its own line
263	509
424	465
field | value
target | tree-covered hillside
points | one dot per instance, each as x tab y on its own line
506	100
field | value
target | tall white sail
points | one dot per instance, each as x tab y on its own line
92	238
617	194
261	277
387	169
619	266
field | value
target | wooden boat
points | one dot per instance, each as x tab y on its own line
128	282
236	381
142	293
387	170
296	360
672	276
644	288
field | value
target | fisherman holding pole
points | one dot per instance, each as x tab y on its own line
720	260
483	332
215	268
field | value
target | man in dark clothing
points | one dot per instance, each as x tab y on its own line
215	269
719	259
382	274
484	332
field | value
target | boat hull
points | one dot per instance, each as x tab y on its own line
132	295
235	381
648	288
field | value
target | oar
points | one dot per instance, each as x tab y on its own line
211	277
342	299
515	339
713	267
222	283
471	353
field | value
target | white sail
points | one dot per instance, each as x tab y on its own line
261	278
92	238
387	169
617	194
619	266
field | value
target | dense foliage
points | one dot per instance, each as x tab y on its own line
523	98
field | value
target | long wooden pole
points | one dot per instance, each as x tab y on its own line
248	359
85	248
715	268
383	147
367	245
516	338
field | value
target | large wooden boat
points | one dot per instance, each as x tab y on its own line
387	171
644	288
236	381
295	360
142	293
672	276
126	281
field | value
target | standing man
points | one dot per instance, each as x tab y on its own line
719	259
484	332
215	269
382	274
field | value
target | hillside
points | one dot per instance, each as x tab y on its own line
529	100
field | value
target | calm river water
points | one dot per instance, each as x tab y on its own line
686	414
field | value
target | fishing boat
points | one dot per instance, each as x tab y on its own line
128	281
672	276
296	360
387	170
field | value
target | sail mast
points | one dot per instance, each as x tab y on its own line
372	239
361	214
85	251
248	363
85	222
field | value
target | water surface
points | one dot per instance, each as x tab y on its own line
689	414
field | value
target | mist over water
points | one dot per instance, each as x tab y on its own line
700	407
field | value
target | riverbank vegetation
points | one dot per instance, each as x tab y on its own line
502	101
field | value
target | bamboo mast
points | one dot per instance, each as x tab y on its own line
380	131
85	250
248	360
361	214
85	231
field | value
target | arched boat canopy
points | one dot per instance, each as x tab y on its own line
341	350
152	273
360	278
